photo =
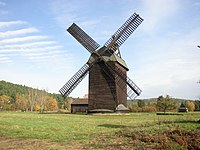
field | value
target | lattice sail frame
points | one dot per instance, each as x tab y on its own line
75	80
132	89
113	44
122	34
83	38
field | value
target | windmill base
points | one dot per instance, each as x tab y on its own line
107	111
102	111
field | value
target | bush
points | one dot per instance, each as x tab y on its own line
149	109
134	108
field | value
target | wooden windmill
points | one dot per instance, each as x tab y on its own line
109	85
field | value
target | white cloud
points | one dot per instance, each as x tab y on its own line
39	58
10	23
4	59
23	39
32	49
39	49
2	55
17	32
42	56
18	39
28	45
46	53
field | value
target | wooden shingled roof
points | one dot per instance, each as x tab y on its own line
80	101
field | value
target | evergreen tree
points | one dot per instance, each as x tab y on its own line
165	103
141	104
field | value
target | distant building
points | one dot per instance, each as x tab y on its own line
182	108
79	105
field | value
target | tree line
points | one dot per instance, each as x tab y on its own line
163	103
15	97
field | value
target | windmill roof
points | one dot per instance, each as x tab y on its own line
119	60
116	58
113	57
80	101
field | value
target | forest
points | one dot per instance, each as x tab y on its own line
14	97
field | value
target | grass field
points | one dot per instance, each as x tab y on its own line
77	131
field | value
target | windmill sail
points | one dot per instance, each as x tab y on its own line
132	89
83	38
75	80
122	34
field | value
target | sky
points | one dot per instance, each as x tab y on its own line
162	54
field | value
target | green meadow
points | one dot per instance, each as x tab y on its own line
24	130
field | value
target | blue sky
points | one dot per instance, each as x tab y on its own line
162	54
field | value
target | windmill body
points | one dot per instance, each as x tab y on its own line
104	92
109	85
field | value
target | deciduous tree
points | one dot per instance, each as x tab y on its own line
32	97
190	105
21	102
51	104
37	107
133	107
197	105
42	96
67	104
165	103
5	102
150	107
141	104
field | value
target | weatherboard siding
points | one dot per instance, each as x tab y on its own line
104	93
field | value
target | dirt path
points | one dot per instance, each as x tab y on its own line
33	144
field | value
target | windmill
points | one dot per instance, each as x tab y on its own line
109	85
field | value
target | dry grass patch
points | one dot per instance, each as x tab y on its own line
33	144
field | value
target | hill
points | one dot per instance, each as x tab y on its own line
10	89
11	94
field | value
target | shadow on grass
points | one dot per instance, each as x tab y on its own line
60	112
113	126
150	124
169	113
49	113
188	121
